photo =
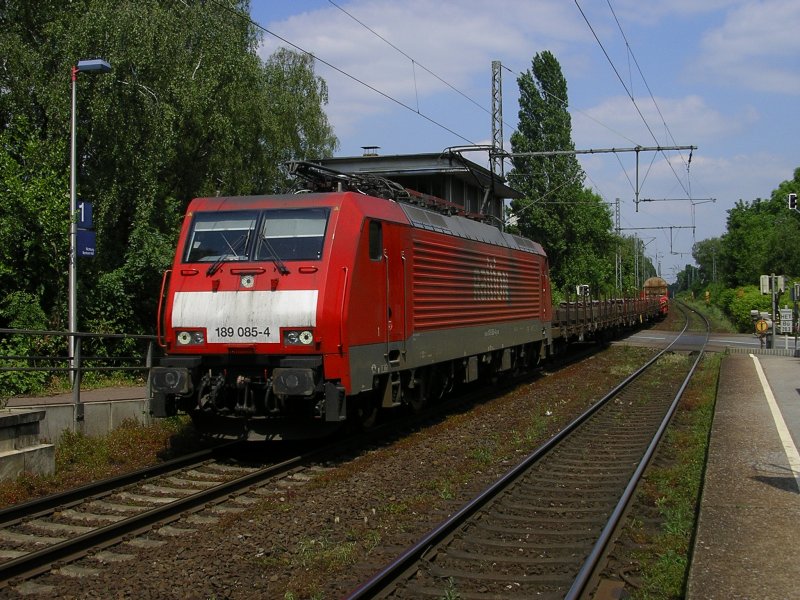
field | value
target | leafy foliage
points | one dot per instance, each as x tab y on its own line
189	109
571	222
742	301
761	239
33	230
22	311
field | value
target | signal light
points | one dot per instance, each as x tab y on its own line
793	201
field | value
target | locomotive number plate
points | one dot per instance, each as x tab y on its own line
242	333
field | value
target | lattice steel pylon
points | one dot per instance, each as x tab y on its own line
496	156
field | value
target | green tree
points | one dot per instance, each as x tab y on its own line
636	265
571	222
705	254
189	109
761	237
33	229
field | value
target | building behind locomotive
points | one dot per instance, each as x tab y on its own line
285	315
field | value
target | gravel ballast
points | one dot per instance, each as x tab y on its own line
322	537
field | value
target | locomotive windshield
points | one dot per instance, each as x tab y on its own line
296	234
274	235
220	236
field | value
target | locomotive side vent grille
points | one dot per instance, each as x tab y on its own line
461	287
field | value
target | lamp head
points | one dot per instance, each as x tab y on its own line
96	64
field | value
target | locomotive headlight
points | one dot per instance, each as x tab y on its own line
185	338
298	337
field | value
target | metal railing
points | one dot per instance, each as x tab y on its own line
41	351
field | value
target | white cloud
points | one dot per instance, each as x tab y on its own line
757	47
460	52
690	120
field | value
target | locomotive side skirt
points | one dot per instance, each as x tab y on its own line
434	347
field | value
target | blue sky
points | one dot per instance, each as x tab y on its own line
722	75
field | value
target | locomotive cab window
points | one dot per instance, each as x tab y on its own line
292	234
220	236
375	240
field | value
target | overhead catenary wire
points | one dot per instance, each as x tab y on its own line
628	91
414	61
330	65
687	162
414	64
644	80
632	55
565	104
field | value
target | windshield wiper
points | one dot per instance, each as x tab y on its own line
240	242
282	269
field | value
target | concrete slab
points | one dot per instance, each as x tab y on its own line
20	447
748	534
100	417
40	459
12	464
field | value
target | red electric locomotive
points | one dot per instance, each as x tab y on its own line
286	315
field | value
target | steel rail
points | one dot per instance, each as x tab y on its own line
378	582
11	514
39	561
593	560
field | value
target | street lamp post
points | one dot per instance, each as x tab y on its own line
99	66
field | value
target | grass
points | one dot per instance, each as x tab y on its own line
450	591
720	323
319	555
324	554
90	380
81	459
629	358
674	489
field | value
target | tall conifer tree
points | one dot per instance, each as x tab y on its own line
571	222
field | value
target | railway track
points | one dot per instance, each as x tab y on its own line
542	530
54	534
109	518
133	510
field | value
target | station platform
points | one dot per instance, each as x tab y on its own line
747	543
103	410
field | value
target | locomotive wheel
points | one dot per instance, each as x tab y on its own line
366	411
417	396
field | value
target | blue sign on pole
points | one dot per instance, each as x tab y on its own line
86	242
85	215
